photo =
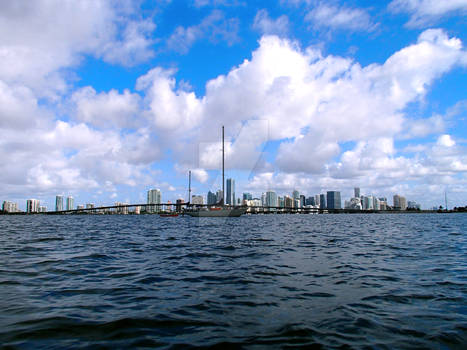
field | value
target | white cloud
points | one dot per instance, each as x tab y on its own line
215	27
426	12
266	25
40	38
344	18
106	109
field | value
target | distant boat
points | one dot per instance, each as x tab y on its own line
168	215
219	210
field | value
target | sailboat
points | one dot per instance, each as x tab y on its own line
219	210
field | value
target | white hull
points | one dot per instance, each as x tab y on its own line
225	212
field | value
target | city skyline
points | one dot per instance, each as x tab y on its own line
328	200
313	95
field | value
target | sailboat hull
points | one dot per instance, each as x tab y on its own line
224	212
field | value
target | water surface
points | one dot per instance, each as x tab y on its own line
275	281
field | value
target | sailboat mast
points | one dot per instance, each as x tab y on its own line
223	182
189	186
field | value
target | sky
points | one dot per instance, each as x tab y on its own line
103	100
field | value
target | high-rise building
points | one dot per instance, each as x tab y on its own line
302	200
70	203
271	199
154	197
32	206
280	202
356	192
219	196
10	207
295	194
58	203
230	198
322	201
288	202
399	202
247	196
310	201
263	199
211	198
197	199
333	200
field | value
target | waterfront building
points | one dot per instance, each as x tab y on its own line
121	208
280	202
70	203
154	197
354	203
219	196
333	199
302	200
322	201
80	206
230	191
247	196
90	205
137	210
58	203
263	199
356	192
367	203
32	206
317	199
211	198
296	203
376	203
197	199
42	209
295	195
310	201
271	199
413	205
288	202
10	207
399	202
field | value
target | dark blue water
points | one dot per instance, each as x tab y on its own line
264	281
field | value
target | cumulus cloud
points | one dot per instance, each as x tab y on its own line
215	27
55	35
266	25
313	104
104	109
343	18
426	12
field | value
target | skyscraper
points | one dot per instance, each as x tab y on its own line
322	201
230	198
59	203
356	191
247	196
333	200
271	199
399	202
154	197
211	198
32	206
70	203
302	200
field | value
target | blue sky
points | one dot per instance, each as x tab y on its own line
104	100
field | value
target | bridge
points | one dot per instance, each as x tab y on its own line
145	208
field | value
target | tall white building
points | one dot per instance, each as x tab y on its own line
271	199
9	207
32	206
59	203
154	197
399	202
70	203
